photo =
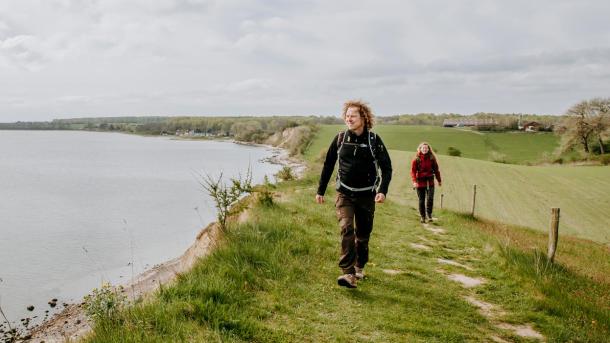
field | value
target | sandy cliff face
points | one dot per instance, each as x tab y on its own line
290	139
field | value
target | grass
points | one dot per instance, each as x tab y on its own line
273	280
517	147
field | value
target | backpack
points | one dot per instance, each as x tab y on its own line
372	138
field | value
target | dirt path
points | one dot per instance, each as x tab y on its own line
494	313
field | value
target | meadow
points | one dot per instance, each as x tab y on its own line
513	147
515	194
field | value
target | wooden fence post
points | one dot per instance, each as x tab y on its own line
442	195
553	233
474	198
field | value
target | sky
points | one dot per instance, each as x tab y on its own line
83	58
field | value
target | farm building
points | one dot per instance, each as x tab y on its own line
461	122
532	126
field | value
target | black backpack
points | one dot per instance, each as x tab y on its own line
372	138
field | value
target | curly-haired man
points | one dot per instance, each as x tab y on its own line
363	177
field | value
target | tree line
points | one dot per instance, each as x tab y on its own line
586	125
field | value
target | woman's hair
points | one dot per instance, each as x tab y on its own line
430	151
365	112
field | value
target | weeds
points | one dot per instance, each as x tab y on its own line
11	335
104	303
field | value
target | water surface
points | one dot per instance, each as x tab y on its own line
77	208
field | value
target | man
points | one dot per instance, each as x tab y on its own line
362	156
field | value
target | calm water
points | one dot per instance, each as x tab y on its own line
75	207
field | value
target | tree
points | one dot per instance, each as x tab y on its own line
600	122
585	121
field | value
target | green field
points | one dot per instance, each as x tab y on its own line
515	194
517	147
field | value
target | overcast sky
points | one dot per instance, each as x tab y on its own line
74	58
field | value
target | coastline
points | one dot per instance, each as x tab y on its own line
72	323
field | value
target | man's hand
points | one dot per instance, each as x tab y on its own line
414	184
380	197
319	199
440	184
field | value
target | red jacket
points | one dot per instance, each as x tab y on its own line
425	170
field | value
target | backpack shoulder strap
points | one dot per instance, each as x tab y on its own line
373	144
341	140
340	137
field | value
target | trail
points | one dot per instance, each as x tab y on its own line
494	313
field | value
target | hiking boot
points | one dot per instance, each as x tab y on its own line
347	280
359	273
422	219
430	220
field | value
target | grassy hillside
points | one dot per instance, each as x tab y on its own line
517	147
273	279
515	194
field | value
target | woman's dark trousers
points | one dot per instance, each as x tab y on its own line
426	201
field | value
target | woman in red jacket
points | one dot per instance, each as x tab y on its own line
424	168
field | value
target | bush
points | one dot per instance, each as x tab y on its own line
451	151
497	157
105	302
596	149
558	160
225	195
605	159
264	193
265	196
285	174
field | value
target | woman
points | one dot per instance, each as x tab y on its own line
424	168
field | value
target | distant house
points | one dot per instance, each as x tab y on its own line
460	122
532	126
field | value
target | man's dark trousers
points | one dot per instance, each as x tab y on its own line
355	215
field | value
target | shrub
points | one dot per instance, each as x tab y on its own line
105	302
605	159
225	195
264	193
265	196
451	151
596	149
285	174
558	160
498	157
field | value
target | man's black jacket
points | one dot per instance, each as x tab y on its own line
356	163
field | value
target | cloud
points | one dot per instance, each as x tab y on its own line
24	51
223	57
